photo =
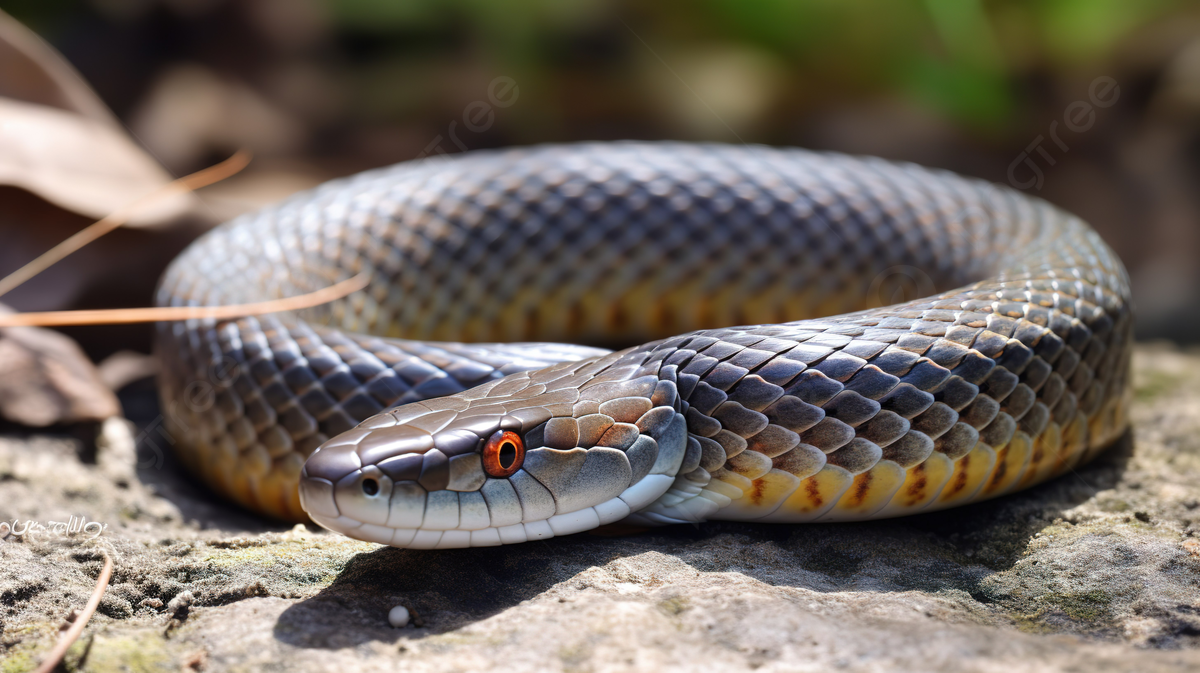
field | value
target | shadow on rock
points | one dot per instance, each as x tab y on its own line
443	590
952	551
997	531
160	469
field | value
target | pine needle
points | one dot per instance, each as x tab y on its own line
165	313
60	649
101	227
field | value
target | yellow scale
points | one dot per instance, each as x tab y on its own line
888	490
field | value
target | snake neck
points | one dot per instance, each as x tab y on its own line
838	420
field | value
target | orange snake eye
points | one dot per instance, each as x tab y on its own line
503	454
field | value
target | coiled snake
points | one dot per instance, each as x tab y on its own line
430	416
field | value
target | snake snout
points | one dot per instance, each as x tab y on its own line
349	481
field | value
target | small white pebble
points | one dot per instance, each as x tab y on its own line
398	617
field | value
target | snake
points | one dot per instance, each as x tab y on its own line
561	337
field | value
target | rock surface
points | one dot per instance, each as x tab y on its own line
1098	570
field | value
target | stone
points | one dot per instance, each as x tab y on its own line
398	617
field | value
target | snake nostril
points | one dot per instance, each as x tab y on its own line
370	486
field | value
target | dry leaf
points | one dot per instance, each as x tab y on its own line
49	381
125	367
78	163
59	141
191	112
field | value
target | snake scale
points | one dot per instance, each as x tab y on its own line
442	407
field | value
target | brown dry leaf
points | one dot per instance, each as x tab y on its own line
191	112
49	381
125	367
79	164
59	141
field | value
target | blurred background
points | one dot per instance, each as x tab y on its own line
1091	104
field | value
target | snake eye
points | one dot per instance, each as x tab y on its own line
503	454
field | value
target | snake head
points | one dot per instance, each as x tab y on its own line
530	456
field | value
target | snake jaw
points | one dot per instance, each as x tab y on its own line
416	476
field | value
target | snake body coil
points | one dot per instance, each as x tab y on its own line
441	420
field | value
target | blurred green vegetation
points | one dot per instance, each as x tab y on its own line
962	59
958	57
